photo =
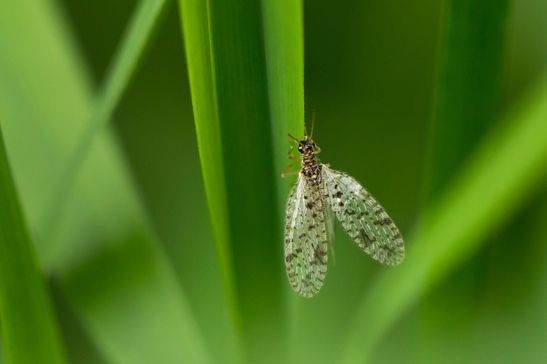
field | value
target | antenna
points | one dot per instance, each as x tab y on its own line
293	138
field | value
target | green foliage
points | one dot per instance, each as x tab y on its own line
468	104
245	104
473	38
124	296
123	67
505	170
146	288
28	325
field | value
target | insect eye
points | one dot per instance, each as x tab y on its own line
301	148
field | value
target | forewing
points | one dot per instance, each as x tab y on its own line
362	217
307	234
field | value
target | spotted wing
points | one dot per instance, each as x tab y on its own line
307	235
362	217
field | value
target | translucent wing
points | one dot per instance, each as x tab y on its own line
362	217
307	235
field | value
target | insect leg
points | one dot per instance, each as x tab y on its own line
288	173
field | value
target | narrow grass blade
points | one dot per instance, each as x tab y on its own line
504	171
467	102
130	53
45	103
284	44
194	15
244	106
473	34
29	329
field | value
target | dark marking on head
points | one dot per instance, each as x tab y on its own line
306	146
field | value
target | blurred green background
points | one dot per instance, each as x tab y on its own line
130	262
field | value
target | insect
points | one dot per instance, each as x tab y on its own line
319	194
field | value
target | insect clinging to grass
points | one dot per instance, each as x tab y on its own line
319	193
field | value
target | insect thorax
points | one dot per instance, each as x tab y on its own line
311	168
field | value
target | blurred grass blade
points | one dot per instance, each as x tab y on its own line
504	171
468	87
130	53
45	102
29	329
244	106
146	291
473	34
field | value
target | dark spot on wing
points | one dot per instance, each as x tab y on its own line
385	221
367	240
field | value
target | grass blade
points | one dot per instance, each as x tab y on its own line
130	53
473	35
242	120
196	30
285	67
504	171
28	324
468	91
145	288
42	130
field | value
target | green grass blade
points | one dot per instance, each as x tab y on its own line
284	44
196	30
43	125
504	171
473	35
511	321
29	329
472	43
130	53
244	106
146	291
285	68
